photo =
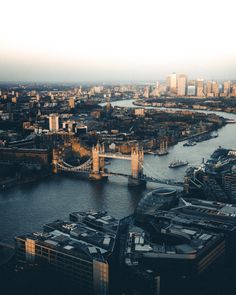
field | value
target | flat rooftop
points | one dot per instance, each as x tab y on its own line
63	243
165	239
75	239
81	232
96	219
212	214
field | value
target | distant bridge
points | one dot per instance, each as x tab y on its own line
95	167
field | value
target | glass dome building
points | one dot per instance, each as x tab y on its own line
161	198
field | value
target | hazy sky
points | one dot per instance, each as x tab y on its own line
78	40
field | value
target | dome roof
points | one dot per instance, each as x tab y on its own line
161	198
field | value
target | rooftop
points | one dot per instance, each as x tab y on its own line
75	239
169	241
80	232
213	214
96	219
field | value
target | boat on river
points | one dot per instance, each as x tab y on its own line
190	143
177	164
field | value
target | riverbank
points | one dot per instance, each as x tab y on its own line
12	182
170	104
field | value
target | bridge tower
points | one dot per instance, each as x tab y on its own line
102	160
56	155
96	167
137	158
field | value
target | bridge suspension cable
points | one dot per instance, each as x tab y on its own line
156	178
150	170
67	167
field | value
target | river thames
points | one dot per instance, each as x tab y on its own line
26	208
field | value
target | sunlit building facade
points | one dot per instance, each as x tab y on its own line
181	85
171	81
200	88
53	122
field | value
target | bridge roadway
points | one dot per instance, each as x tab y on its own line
144	177
148	179
114	156
163	181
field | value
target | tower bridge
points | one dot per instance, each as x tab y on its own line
94	168
136	158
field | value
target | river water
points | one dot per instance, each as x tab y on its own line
26	208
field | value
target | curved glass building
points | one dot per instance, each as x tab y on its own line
161	198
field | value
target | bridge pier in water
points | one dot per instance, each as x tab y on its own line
137	158
97	167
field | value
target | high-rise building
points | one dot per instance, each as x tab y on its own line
234	90
168	83
221	90
208	91
53	122
173	83
215	88
226	87
191	90
181	85
200	88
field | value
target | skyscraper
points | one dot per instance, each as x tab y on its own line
200	87
227	86
191	88
181	85
53	122
208	91
171	81
215	88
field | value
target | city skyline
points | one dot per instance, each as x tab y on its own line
83	41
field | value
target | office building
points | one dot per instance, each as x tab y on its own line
226	88
191	90
82	254
215	88
208	87
171	82
181	85
162	249
158	199
53	122
200	88
214	216
183	242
